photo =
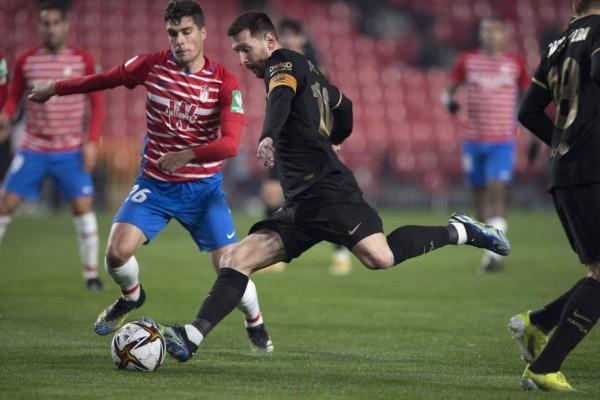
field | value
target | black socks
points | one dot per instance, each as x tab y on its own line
547	317
224	296
412	241
579	316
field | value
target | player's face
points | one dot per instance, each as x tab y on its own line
186	40
492	35
253	53
53	29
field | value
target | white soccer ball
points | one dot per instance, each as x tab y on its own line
138	346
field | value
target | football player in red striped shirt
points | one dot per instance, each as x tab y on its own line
195	118
494	81
56	144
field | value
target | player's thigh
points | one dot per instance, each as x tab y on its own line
578	208
149	207
258	250
210	222
500	162
472	163
374	252
70	178
295	237
9	202
26	174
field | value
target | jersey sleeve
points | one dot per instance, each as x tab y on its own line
457	74
280	71
130	74
230	100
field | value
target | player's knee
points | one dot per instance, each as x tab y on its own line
375	261
593	271
116	255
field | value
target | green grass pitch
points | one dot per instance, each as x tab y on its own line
428	329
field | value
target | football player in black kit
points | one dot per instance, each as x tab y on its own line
568	75
322	198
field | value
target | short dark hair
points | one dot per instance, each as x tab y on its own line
258	23
290	24
585	5
177	9
62	6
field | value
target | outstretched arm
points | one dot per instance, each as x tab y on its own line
45	90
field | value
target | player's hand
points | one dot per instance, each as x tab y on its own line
265	152
451	105
533	152
90	156
172	161
42	92
4	127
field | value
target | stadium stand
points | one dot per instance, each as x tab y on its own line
400	125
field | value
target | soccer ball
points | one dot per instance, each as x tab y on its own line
138	346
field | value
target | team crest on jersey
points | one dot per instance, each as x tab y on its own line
237	105
180	115
204	90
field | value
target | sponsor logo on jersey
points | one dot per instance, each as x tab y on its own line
181	115
237	105
282	66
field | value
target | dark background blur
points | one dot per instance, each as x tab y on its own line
390	57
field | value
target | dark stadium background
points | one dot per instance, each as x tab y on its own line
389	56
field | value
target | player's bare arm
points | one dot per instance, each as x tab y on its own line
42	92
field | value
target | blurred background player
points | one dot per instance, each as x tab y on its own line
194	122
56	143
494	80
5	155
568	76
293	36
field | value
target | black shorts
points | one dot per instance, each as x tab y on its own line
305	222
578	208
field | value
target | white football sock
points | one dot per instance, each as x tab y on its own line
126	276
4	221
193	334
249	306
462	232
498	223
86	227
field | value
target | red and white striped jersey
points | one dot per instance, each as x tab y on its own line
57	125
493	85
183	110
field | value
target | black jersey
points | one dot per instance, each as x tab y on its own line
303	149
565	71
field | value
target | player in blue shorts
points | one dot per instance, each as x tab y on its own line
493	80
194	122
56	144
